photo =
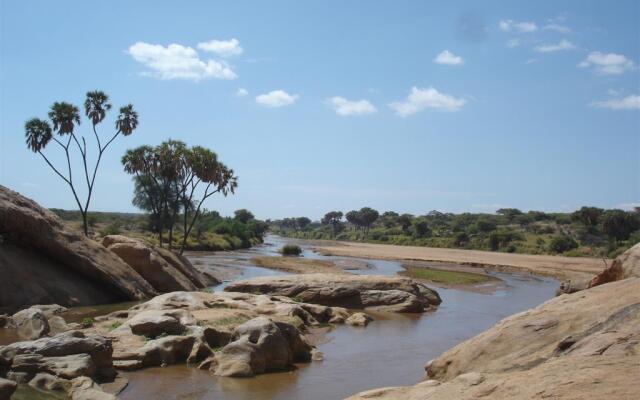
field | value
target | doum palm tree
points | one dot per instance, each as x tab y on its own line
65	118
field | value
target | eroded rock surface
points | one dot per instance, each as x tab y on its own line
44	261
584	345
232	334
163	269
7	388
372	292
624	266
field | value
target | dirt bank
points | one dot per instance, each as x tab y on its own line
573	268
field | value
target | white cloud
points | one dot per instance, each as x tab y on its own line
178	62
508	25
631	102
223	48
421	99
513	43
628	206
607	64
345	107
276	98
550	48
448	58
557	28
242	92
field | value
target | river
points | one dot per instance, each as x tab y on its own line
391	351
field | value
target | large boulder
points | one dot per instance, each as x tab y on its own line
624	266
31	323
166	271
575	346
54	352
44	261
371	292
261	345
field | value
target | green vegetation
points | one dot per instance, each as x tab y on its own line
65	118
172	182
211	232
87	322
115	325
589	231
446	276
291	250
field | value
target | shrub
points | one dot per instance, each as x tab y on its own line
291	250
562	243
111	229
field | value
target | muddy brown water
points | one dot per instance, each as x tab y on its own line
391	351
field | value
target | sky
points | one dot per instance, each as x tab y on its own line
398	105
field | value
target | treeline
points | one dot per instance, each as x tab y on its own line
589	231
211	231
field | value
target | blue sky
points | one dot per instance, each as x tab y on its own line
403	105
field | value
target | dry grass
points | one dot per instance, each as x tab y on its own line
297	265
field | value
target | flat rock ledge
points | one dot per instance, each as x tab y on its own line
367	292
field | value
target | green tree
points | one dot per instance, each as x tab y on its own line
302	222
405	221
65	118
243	215
618	224
421	228
509	213
588	216
367	217
353	217
333	218
173	173
562	243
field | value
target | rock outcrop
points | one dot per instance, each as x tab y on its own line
371	292
231	334
624	266
68	355
261	345
163	269
44	261
579	346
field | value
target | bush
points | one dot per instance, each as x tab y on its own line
562	243
111	229
291	250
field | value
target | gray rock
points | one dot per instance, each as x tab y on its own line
31	323
69	367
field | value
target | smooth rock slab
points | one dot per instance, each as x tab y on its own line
384	293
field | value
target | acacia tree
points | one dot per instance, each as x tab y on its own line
367	217
332	218
65	117
177	178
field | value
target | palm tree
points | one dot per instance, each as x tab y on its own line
65	118
127	121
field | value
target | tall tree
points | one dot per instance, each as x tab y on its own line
176	174
588	216
65	118
367	216
333	218
243	215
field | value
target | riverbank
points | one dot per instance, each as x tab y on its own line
563	268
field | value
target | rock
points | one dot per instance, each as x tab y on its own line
259	346
7	388
69	343
167	272
31	323
50	310
165	351
84	388
48	382
6	321
624	266
152	323
580	346
372	292
44	261
69	367
58	325
359	319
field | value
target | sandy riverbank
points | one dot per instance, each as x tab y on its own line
574	268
